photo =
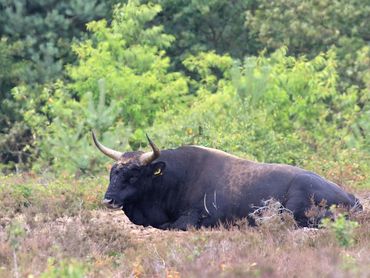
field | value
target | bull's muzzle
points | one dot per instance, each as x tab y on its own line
109	203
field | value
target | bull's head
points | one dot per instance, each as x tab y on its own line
132	173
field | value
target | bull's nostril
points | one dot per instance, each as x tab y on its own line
107	201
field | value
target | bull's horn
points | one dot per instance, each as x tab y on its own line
107	151
148	157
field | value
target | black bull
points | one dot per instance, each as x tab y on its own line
193	186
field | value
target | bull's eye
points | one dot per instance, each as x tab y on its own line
158	172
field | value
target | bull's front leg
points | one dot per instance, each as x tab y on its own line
184	222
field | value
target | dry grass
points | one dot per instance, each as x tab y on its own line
66	236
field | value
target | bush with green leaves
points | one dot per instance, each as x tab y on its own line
277	108
129	55
311	27
342	228
64	269
35	46
63	128
119	85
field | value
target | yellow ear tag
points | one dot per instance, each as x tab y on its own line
158	172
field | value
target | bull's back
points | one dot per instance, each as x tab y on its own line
256	181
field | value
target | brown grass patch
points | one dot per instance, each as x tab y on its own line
101	243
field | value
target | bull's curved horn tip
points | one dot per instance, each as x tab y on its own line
155	149
107	151
147	137
148	157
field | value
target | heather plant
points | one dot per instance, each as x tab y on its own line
51	199
92	241
272	217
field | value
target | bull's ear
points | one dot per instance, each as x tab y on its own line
158	168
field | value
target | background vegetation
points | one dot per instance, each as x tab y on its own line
274	81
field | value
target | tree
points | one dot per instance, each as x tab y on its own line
45	29
35	40
119	84
311	27
216	25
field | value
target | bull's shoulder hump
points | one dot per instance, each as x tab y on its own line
283	167
213	151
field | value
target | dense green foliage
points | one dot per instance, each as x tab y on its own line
45	29
121	80
277	108
217	25
342	228
318	26
274	81
35	46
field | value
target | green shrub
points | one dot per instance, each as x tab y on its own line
64	269
342	228
299	25
129	55
122	81
277	108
